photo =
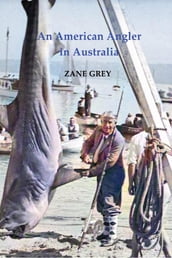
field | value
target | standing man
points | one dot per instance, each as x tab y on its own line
136	149
106	143
81	106
88	97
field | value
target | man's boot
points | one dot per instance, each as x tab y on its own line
112	236
105	232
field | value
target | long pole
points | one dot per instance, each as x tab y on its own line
6	54
120	102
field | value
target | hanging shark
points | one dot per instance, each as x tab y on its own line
35	168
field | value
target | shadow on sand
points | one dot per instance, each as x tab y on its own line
49	252
42	251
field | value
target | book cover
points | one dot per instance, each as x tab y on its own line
87	55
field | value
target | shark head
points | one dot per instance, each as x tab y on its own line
13	220
22	211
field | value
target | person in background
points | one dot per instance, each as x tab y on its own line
138	120
88	97
136	149
95	93
169	118
3	134
73	128
63	131
106	143
81	106
129	120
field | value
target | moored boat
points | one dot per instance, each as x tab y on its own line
128	130
67	81
5	148
73	145
63	87
92	120
165	92
8	81
116	87
8	86
166	100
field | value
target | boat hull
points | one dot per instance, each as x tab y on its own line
63	87
166	100
8	93
73	145
92	120
128	130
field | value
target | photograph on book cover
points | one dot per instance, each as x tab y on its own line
64	63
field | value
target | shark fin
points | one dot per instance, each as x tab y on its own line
9	115
57	46
65	174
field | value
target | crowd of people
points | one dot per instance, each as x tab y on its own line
136	120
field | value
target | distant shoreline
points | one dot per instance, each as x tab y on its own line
161	72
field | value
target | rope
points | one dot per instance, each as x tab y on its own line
147	207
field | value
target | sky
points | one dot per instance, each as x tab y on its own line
150	18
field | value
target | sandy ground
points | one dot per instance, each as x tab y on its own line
58	233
